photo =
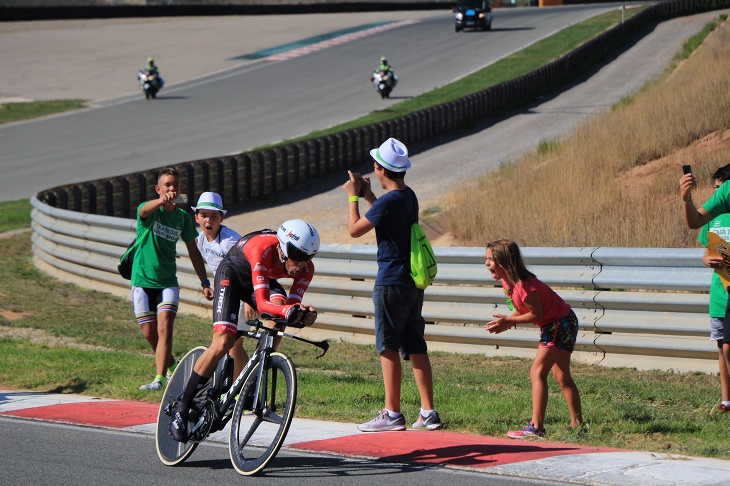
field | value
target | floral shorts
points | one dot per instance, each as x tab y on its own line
560	334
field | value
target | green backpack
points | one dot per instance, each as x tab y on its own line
423	262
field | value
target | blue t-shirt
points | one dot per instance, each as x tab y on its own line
393	214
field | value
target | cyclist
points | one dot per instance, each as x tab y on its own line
249	272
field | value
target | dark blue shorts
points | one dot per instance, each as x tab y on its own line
399	324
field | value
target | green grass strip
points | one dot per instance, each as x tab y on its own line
14	112
14	215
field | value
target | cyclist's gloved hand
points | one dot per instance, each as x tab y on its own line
309	316
294	314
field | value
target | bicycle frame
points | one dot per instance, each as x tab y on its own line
257	430
265	336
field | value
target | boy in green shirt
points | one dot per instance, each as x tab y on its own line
714	217
155	290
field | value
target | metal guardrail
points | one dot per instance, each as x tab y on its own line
630	302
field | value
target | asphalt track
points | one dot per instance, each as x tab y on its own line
534	459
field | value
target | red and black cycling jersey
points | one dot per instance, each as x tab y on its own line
252	261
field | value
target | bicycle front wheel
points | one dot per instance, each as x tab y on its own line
170	451
256	436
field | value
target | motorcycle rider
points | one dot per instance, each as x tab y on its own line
151	68
384	66
384	71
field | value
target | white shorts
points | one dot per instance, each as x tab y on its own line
716	328
150	302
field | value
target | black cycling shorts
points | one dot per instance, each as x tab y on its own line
233	286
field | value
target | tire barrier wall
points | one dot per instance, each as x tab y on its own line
639	307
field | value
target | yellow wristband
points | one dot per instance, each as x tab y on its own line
353	199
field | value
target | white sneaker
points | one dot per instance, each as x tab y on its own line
155	385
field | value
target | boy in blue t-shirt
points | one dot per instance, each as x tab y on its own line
399	325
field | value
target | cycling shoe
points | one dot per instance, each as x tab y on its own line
179	426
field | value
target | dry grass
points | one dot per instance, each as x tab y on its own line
614	182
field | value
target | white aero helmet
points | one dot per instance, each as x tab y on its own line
298	240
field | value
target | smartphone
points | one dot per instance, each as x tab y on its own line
687	169
358	176
180	199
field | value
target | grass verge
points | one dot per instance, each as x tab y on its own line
14	215
14	112
87	342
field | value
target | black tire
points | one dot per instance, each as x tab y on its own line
257	436
146	95
170	451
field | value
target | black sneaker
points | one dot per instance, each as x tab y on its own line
179	426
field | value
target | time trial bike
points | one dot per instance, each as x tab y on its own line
260	419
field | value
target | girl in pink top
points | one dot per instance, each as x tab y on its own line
533	302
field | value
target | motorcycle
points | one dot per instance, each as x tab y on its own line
383	82
150	82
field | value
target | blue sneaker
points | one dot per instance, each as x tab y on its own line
432	422
383	422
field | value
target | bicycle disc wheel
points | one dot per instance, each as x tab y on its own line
256	436
170	451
